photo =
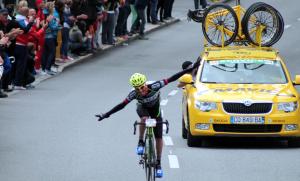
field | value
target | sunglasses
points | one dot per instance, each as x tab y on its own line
140	87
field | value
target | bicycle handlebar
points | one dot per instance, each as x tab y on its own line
166	122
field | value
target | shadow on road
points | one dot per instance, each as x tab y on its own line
246	143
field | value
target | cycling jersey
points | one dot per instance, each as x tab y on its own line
151	98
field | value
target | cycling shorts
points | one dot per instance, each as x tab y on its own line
154	113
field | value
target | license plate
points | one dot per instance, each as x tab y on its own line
247	120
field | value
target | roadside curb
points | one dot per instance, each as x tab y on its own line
81	59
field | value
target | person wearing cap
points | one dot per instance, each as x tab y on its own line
188	65
10	29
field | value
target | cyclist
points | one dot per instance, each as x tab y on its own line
147	95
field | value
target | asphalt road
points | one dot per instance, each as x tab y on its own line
50	133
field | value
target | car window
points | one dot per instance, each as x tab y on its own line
243	72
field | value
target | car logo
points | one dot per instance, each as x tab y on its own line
247	103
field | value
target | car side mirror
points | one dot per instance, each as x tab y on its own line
297	80
186	79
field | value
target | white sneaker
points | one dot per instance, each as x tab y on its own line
19	88
43	72
54	69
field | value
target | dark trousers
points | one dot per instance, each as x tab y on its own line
65	41
6	80
161	8
148	11
121	28
108	29
140	17
49	53
153	10
168	8
202	2
20	64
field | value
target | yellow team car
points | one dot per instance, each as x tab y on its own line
240	91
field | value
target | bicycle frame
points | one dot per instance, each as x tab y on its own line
148	159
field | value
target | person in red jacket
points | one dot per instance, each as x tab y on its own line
37	31
21	45
40	15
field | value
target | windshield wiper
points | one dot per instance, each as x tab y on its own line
208	82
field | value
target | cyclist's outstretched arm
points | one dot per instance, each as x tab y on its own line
181	73
113	110
161	83
129	98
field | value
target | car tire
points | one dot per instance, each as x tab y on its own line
294	142
192	141
184	130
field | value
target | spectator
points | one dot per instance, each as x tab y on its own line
21	44
140	6
109	24
124	12
161	9
50	39
1	71
134	15
10	29
97	26
3	43
40	47
79	10
29	73
79	44
69	20
153	11
168	9
203	3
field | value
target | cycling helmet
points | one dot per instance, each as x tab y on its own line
137	80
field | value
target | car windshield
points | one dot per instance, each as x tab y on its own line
243	72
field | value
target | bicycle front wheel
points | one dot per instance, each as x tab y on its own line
220	25
262	24
151	160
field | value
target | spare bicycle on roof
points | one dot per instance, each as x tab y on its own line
222	25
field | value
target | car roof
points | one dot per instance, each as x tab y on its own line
238	52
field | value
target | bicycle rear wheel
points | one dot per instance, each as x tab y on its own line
218	16
262	15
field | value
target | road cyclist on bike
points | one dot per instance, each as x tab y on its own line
147	95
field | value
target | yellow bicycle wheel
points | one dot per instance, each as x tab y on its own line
220	25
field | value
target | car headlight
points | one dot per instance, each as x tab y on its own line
288	106
205	106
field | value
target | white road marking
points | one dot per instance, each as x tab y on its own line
170	152
173	161
287	26
173	92
164	102
168	141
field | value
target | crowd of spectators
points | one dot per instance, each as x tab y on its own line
31	31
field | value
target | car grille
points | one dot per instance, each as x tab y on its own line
240	108
247	128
